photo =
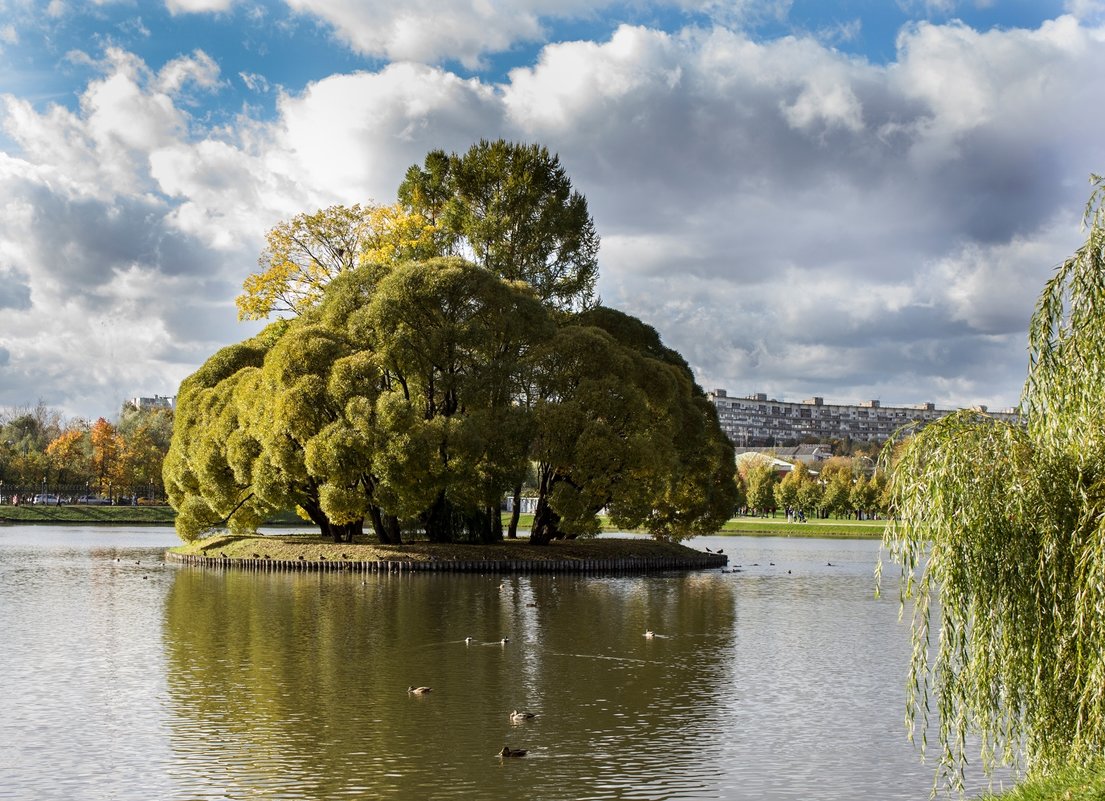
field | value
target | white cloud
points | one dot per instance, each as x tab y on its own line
198	6
198	69
791	219
428	31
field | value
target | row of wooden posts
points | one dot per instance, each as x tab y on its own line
621	565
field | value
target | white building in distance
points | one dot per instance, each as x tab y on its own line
156	402
756	420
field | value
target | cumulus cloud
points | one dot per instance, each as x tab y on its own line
794	220
198	6
830	206
429	32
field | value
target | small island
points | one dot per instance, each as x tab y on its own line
309	552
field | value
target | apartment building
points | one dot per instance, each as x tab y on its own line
756	420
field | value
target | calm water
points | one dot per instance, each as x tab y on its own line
126	678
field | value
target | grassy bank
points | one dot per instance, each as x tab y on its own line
772	527
291	546
106	515
779	527
164	515
1081	784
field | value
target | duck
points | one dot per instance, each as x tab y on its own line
512	752
504	641
468	640
516	716
419	690
650	634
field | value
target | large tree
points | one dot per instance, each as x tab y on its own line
510	208
623	428
453	340
1000	532
416	388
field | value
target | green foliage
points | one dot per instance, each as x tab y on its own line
1004	526
419	393
512	209
761	479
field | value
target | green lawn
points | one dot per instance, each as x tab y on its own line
1082	784
117	515
778	526
164	515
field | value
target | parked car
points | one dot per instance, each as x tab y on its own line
46	499
93	500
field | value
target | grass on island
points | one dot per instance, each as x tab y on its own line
291	546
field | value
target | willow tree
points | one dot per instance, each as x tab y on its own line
452	341
621	426
206	470
999	529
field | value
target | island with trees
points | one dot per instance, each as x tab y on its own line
429	357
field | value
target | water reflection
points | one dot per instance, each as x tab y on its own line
296	685
130	679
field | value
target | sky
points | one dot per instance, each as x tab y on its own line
855	200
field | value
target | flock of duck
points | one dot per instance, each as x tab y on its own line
516	716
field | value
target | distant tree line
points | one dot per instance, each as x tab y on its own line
40	453
841	487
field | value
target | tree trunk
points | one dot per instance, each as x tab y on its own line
385	527
515	513
395	533
317	516
438	519
545	524
496	517
545	521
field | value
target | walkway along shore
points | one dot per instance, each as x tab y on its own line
703	561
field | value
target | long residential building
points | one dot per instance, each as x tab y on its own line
757	420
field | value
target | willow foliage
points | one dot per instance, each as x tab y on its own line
999	530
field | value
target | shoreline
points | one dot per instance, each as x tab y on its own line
165	516
291	552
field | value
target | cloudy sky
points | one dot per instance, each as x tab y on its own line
856	199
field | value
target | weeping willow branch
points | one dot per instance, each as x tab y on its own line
999	530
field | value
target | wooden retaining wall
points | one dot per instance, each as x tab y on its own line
627	565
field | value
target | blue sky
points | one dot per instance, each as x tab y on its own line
855	199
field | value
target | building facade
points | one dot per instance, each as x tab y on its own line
756	420
156	402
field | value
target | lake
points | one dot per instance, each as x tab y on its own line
127	678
